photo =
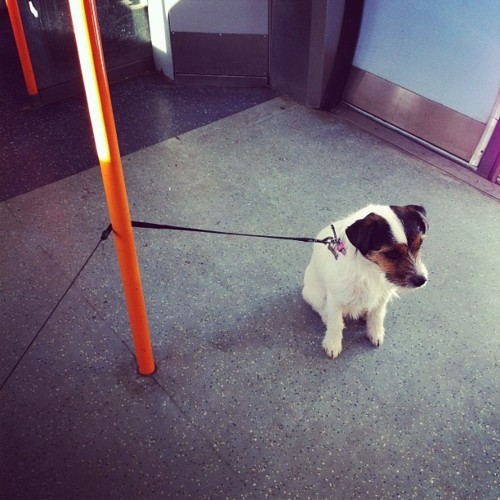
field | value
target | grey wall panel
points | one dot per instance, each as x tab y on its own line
220	54
311	48
290	47
220	41
220	16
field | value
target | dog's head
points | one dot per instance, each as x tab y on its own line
391	237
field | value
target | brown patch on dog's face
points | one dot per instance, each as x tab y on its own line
416	244
399	263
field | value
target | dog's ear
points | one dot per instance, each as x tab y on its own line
412	216
420	214
417	208
370	233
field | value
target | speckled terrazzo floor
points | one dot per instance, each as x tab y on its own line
244	403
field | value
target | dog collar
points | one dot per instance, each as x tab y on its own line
335	244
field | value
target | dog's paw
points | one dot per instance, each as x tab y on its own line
376	337
332	347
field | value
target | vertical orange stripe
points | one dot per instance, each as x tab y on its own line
86	27
22	47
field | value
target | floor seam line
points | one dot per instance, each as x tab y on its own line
191	420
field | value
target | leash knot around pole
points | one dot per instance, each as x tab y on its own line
105	234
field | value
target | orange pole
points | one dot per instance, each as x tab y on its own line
90	53
22	47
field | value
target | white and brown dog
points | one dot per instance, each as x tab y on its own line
381	247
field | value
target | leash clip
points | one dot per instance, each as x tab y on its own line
334	244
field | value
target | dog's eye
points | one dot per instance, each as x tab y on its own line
392	254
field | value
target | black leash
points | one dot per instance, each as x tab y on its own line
149	225
104	236
334	244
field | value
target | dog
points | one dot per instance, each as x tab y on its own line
376	252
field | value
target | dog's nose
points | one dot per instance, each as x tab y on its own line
418	280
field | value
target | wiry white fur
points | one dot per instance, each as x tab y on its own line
350	286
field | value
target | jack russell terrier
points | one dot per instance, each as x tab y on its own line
376	251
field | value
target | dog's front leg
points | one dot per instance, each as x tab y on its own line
332	342
375	324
